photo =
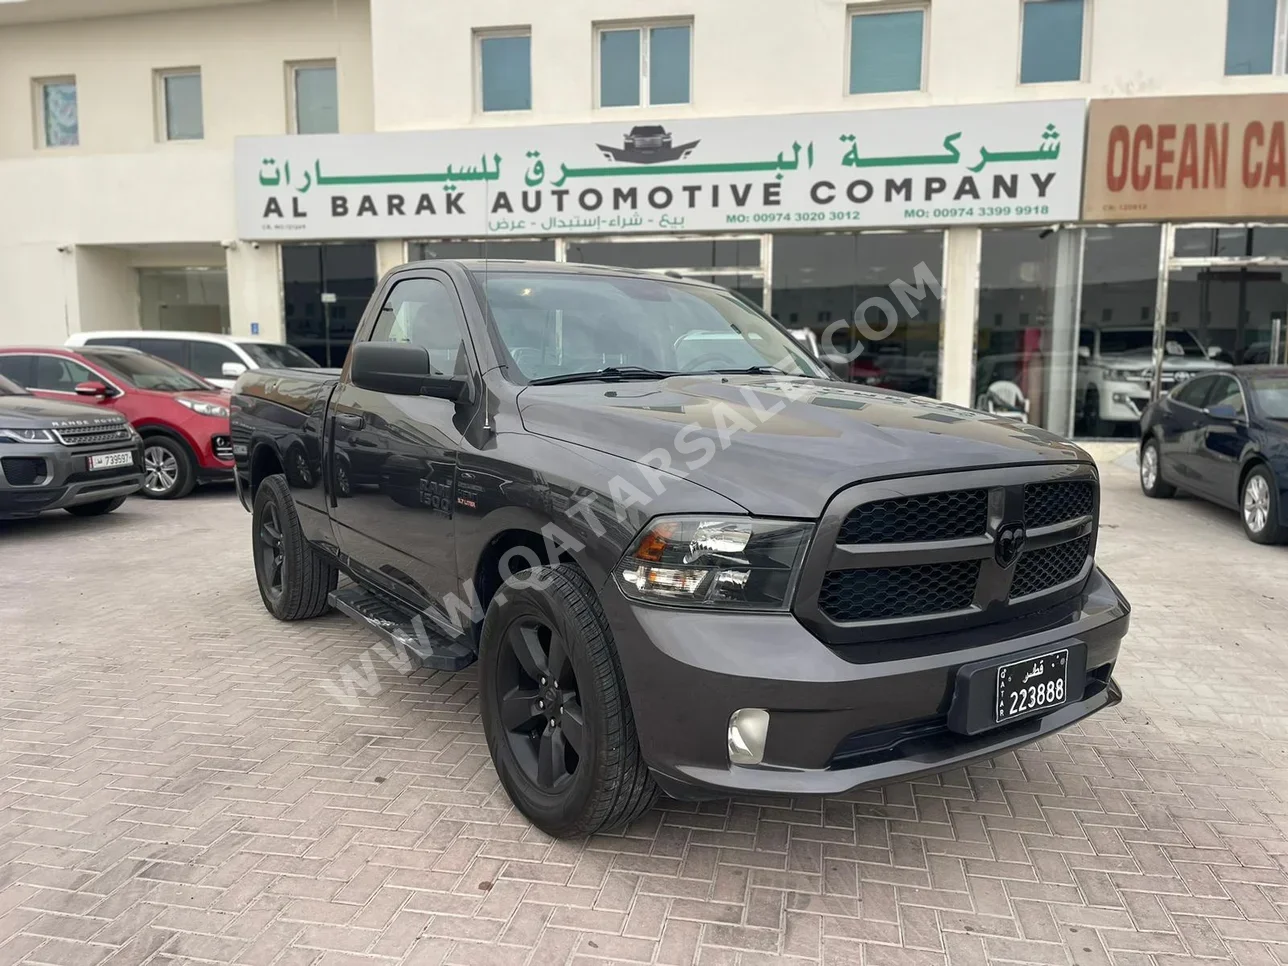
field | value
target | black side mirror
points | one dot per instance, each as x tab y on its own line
401	369
1223	412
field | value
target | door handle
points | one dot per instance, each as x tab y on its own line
350	420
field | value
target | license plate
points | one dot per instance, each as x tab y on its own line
1038	684
109	461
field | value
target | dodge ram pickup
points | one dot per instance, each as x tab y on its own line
685	557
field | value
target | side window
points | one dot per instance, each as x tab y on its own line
55	374
1225	392
18	369
208	358
171	350
1193	393
425	312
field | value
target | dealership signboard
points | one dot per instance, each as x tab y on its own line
1179	158
982	164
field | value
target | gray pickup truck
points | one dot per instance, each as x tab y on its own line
684	556
63	456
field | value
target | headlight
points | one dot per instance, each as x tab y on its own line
700	561
204	408
27	435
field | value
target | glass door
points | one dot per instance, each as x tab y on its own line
325	289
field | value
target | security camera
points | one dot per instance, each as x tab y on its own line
255	245
229	244
64	249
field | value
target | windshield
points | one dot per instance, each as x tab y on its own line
1179	342
146	372
555	325
1270	396
9	388
275	355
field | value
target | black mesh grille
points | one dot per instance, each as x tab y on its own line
1042	569
93	435
932	516
1049	503
888	593
23	470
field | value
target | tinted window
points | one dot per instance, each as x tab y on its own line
16	368
1051	46
1250	37
56	374
1193	393
425	312
207	359
1225	392
506	68
276	355
1269	395
10	388
171	350
145	371
885	51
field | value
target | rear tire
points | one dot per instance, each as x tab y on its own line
553	625
1097	428
294	579
1259	507
1151	473
169	469
95	509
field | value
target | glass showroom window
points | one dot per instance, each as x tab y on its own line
643	65
314	98
59	117
1255	36
505	71
887	48
872	301
179	93
1051	41
540	249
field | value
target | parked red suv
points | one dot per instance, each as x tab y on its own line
183	419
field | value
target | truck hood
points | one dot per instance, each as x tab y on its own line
822	436
1145	360
31	412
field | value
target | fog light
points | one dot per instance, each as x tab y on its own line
748	729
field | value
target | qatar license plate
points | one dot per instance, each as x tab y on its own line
110	461
1027	687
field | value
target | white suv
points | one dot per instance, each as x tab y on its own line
218	359
1116	370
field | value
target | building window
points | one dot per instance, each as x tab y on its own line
314	98
887	49
645	64
179	92
1255	36
59	118
505	70
1051	41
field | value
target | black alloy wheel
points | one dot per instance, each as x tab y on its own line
271	551
540	709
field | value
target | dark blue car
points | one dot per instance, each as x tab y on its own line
1224	436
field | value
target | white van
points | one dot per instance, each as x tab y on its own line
218	359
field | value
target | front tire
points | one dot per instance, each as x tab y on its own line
1151	473
294	579
555	709
1259	507
95	509
169	470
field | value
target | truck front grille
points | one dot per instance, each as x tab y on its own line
949	552
24	470
93	435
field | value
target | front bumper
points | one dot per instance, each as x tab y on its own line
1123	402
66	479
844	717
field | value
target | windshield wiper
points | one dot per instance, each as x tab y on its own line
750	371
607	374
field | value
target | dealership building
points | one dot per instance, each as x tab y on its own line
1005	203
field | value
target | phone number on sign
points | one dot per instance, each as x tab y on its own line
792	217
977	211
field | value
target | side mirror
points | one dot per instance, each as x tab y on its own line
1223	412
231	370
1084	352
1215	352
98	390
401	369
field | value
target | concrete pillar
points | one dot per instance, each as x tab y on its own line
255	290
960	308
1066	300
390	253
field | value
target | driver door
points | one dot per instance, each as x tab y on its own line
394	458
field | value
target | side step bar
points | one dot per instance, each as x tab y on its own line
405	631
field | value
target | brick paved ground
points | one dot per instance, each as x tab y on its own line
176	785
